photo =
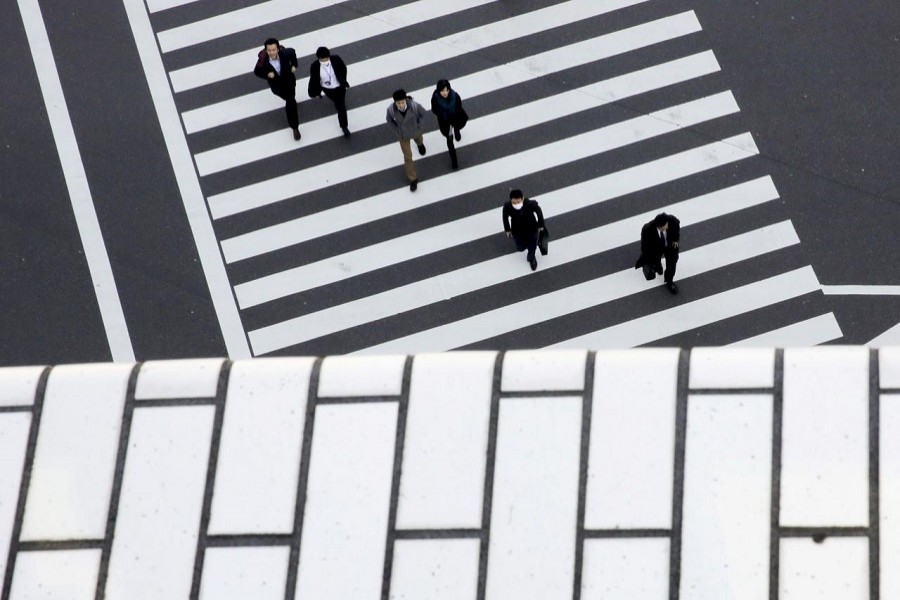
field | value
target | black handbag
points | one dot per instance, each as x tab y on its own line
544	241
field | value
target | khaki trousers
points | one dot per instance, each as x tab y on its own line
408	157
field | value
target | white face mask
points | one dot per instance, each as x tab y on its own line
325	63
518	206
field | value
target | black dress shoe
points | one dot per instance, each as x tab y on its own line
297	134
346	132
413	185
422	150
457	134
533	262
454	164
672	287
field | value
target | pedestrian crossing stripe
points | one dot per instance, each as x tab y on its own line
268	289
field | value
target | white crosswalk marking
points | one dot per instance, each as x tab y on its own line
659	131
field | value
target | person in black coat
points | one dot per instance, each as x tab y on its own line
523	219
447	107
659	238
328	75
278	66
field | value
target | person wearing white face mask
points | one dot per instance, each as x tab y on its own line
328	75
523	220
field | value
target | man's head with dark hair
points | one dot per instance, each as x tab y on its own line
272	48
323	52
516	193
660	220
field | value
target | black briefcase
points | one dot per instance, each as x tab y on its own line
544	241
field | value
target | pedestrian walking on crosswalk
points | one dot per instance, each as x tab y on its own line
328	75
278	66
405	117
447	106
523	219
659	239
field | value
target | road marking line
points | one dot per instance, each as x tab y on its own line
461	231
490	272
476	84
336	36
158	5
95	253
425	54
243	19
698	313
891	337
810	332
188	184
861	290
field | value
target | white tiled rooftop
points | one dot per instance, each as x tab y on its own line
717	473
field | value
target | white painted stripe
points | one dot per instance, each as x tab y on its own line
258	573
14	430
727	498
861	290
18	385
810	332
891	337
889	490
262	432
336	36
435	569
484	82
588	295
495	125
422	55
160	504
444	455
244	19
702	312
635	568
95	254
836	569
188	184
158	5
69	574
535	500
825	447
70	464
492	272
475	178
348	498
632	431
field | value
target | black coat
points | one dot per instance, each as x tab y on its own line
456	116
286	81
315	80
525	221
652	248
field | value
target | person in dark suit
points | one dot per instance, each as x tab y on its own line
447	106
523	219
328	75
659	238
278	66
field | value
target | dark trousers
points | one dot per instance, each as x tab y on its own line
528	242
653	266
338	95
452	150
289	96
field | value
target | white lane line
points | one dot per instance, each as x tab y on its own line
335	36
701	312
421	55
491	272
104	283
591	294
295	184
891	337
188	184
398	249
158	5
235	21
476	84
810	332
861	290
397	201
